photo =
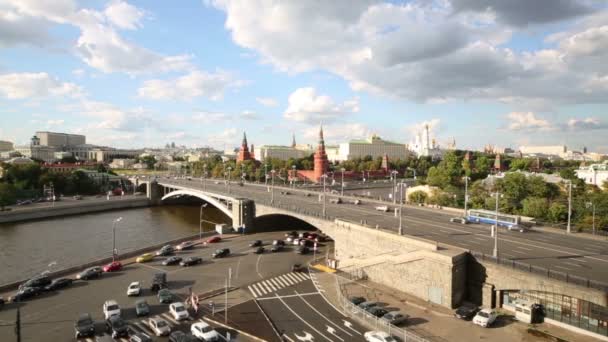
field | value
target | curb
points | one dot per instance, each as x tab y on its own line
232	328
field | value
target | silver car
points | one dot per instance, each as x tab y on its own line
395	318
159	326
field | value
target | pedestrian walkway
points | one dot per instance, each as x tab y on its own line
269	286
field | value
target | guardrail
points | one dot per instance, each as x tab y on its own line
542	271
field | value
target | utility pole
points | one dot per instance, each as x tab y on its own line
401	186
342	192
569	228
200	222
226	304
272	187
394	174
495	252
592	206
114	238
324	176
18	325
466	195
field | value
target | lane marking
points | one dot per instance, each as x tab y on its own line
287	280
252	292
291	296
257	266
266	287
524	248
573	264
298	276
320	314
280	281
302	320
270	284
518	252
276	283
260	288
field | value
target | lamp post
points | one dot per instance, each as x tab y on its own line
569	228
229	174
394	175
592	206
342	190
495	252
266	174
293	175
114	238
466	195
324	176
272	187
204	177
401	186
200	222
412	169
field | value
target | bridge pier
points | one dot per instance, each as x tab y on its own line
243	213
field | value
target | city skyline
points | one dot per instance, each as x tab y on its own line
136	74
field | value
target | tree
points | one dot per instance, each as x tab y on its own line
521	164
8	195
605	185
557	212
418	197
535	207
568	173
482	167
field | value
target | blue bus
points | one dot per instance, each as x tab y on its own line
512	222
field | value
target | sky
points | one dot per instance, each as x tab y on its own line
201	72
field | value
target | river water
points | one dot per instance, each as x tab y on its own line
28	248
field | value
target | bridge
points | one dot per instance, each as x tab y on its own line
434	259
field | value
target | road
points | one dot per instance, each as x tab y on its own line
51	316
573	255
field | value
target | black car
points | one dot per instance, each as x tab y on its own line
142	308
1	302
140	337
180	336
278	243
90	273
84	326
466	312
165	296
174	260
191	261
25	294
303	250
276	248
58	284
259	250
117	327
377	311
159	281
357	300
220	253
165	250
298	268
37	281
255	243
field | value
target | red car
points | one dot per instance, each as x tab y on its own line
113	266
214	239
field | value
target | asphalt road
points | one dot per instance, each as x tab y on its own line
573	255
51	316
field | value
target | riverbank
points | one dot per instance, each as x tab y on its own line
61	209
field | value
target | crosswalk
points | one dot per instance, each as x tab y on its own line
141	325
272	285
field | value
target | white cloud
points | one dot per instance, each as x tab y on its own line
249	115
267	101
225	137
586	124
528	121
58	122
338	132
306	106
16	29
35	85
124	15
195	84
111	117
419	127
210	117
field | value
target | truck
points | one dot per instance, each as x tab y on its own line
159	281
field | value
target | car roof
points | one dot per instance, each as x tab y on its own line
134	283
156	319
177	304
111	302
487	310
201	324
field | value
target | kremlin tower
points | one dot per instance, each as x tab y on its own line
244	153
320	158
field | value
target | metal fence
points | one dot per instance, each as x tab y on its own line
369	320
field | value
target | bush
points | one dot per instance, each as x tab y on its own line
535	207
557	213
418	197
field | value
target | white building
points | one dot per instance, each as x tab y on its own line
60	139
122	163
6	146
265	152
373	146
549	150
424	146
595	174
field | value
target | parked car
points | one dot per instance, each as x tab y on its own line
140	337
165	250
145	258
395	318
303	250
214	239
117	327
180	336
90	273
485	318
259	250
185	245
110	308
113	266
466	312
220	253
320	238
191	261
377	311
25	294
78	197
159	326
165	296
276	248
461	220
378	336
174	260
2	302
255	243
58	284
39	281
84	326
295	242
142	308
278	243
178	311
368	304
159	281
134	289
356	300
298	268
204	331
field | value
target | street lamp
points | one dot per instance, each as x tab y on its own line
114	238
272	187
569	228
205	176
200	222
394	174
592	206
324	176
266	174
466	195
293	175
495	252
229	174
342	191
402	185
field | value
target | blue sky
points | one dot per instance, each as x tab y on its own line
144	73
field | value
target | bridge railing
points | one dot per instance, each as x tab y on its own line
543	271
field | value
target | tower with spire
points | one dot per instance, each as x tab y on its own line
293	140
320	158
244	153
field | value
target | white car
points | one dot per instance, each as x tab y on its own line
289	239
134	289
159	326
110	308
485	317
296	242
378	336
178	310
204	331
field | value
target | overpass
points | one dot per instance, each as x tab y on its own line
434	259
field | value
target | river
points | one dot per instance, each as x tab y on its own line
28	248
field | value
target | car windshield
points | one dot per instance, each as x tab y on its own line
118	323
141	304
179	308
161	324
85	321
207	329
134	286
483	314
112	307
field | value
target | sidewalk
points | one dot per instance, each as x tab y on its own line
436	323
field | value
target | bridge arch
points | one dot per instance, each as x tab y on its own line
213	201
281	222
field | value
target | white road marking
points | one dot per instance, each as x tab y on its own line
265	286
169	318
257	266
290	296
480	238
261	289
518	252
270	285
255	295
290	276
302	320
349	325
288	338
281	281
320	314
298	276
276	283
573	264
524	248
563	268
287	280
